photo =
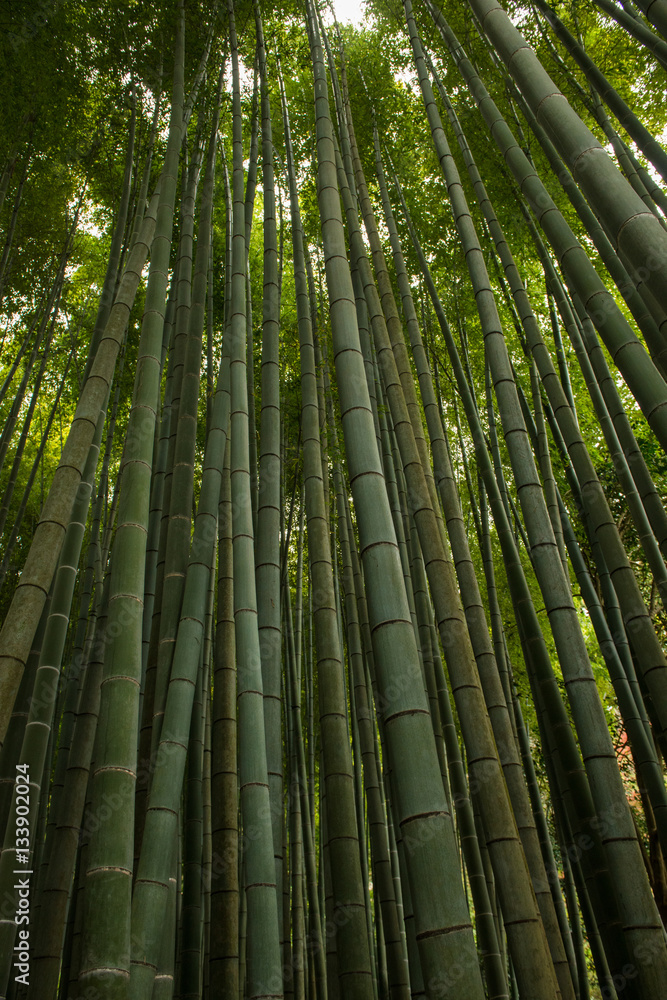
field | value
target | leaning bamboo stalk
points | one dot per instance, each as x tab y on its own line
639	626
601	521
18	720
640	135
110	278
39	726
643	379
26	342
636	28
473	606
654	336
25	431
58	884
26	607
514	883
105	954
541	675
618	833
85	628
642	747
43	340
637	232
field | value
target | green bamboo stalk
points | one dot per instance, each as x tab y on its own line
644	381
224	887
647	649
315	936
484	655
25	430
536	805
193	819
648	145
654	336
207	863
578	938
594	104
600	518
587	710
396	958
443	927
267	568
348	909
36	465
26	342
188	333
153	873
642	748
637	29
73	680
26	607
250	191
472	841
117	239
18	722
636	232
83	637
656	12
542	679
142	194
200	76
43	340
154	573
400	521
296	913
33	755
106	946
397	854
55	902
465	681
165	976
264	975
592	101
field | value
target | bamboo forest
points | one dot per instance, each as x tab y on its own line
333	486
